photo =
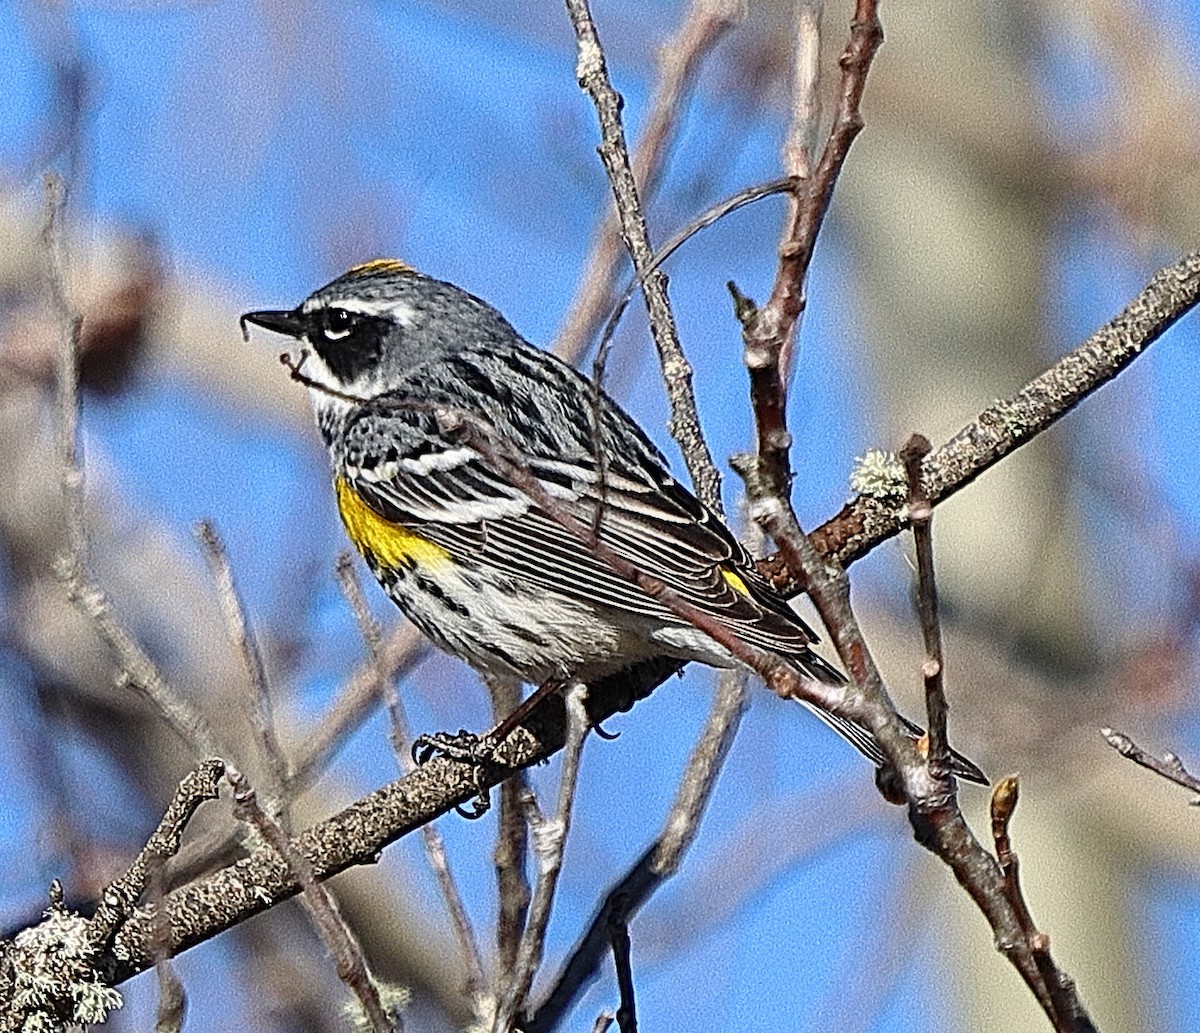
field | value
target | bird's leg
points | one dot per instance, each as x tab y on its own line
547	688
479	750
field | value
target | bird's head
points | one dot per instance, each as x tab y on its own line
366	332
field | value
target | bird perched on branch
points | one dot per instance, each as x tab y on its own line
512	510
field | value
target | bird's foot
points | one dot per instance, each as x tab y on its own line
463	746
479	751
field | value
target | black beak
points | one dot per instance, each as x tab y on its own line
289	323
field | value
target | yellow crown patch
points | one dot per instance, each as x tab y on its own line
381	265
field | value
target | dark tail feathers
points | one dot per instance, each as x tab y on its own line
861	739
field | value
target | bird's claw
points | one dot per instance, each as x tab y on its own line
463	746
604	733
466	748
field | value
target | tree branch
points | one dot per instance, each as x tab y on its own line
1002	428
704	26
684	425
768	331
1169	766
920	514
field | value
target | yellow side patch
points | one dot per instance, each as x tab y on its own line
381	265
734	580
390	544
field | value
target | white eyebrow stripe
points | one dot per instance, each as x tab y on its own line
397	310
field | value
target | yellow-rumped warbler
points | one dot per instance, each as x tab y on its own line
474	560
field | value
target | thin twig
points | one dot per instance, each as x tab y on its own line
1065	1008
136	669
513	891
172	1000
582	966
171	1006
795	254
768	330
510	854
401	738
768	333
549	838
660	861
1169	766
371	633
800	147
70	331
622	962
704	25
262	719
684	425
122	895
920	515
710	216
700	776
400	734
339	939
759	847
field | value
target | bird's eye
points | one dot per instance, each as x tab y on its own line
338	323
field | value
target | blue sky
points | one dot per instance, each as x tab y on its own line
266	152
